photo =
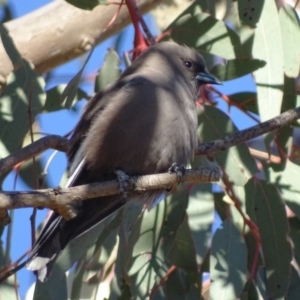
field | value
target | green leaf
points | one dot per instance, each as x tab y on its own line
228	263
263	200
10	47
176	205
201	203
109	71
175	288
8	289
77	283
205	33
290	30
288	183
269	79
250	11
290	97
284	141
220	205
54	288
87	4
70	92
54	96
247	100
147	261
295	236
183	255
236	161
235	68
24	91
250	292
294	288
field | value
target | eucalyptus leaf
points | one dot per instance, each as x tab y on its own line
247	100
200	218
206	33
69	94
264	201
235	68
290	30
54	95
269	79
288	183
228	263
109	71
24	91
250	11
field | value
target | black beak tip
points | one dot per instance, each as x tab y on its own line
205	77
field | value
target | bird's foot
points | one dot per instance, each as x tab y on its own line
124	182
179	170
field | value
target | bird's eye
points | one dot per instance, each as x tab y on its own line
188	63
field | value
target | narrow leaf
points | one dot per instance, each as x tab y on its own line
205	33
109	71
264	201
228	263
200	218
235	68
270	78
290	30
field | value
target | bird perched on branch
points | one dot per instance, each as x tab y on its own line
142	124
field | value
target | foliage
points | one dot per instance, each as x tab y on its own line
166	253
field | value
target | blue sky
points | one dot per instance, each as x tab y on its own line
62	122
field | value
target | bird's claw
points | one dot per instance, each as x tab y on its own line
124	182
179	170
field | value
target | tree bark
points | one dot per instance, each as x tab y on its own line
59	32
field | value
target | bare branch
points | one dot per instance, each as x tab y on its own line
61	199
243	136
82	29
51	141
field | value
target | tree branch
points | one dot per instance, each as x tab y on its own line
44	43
51	141
62	199
209	148
248	134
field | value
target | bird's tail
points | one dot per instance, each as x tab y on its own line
57	232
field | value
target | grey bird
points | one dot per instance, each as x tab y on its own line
141	124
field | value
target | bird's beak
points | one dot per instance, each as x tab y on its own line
205	77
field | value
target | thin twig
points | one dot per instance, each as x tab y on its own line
12	268
35	184
242	136
132	5
232	103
